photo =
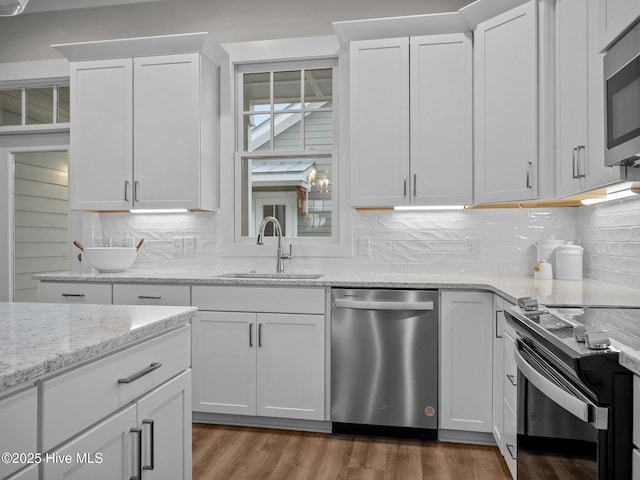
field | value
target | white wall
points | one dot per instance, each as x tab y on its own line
28	36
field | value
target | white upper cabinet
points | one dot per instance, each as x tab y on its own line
379	122
441	120
580	100
411	121
616	16
144	130
506	106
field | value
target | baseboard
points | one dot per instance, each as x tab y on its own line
262	422
475	438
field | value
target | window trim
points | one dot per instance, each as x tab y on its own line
339	244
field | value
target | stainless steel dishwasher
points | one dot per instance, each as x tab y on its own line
384	362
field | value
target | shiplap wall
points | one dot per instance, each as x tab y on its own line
40	219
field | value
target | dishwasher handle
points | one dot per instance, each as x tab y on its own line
382	305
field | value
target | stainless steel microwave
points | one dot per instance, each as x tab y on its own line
622	97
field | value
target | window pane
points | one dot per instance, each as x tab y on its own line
297	191
257	96
39	105
287	128
318	87
257	132
318	130
286	90
10	107
64	115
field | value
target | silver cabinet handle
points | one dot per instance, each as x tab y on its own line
152	446
141	373
126	190
76	295
512	379
373	305
498	312
574	162
511	448
138	431
150	297
251	334
136	191
405	186
529	183
581	161
260	335
415	178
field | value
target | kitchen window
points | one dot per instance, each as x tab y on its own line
286	149
34	105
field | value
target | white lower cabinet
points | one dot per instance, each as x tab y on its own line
260	363
466	345
18	415
510	379
30	473
125	416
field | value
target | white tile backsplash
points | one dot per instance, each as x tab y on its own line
416	242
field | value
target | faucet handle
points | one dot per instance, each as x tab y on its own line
287	256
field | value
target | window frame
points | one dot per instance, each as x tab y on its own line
25	127
333	245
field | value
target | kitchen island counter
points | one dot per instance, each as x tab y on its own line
548	292
37	340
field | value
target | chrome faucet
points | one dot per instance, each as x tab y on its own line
278	230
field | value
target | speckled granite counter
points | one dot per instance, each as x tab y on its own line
548	292
38	339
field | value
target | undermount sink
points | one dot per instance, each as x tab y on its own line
271	276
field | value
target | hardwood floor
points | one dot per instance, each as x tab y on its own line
230	453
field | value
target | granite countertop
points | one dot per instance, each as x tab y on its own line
548	292
37	339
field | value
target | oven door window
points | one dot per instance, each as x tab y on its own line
623	104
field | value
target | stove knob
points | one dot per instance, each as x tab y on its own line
598	340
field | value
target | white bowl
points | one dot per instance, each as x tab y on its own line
110	259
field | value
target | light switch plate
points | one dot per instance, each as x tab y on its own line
364	246
178	246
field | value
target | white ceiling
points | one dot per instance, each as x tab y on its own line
35	6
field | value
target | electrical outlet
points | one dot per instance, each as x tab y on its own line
189	246
364	245
178	246
471	246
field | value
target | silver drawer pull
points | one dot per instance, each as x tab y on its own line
512	379
141	373
79	295
511	448
149	297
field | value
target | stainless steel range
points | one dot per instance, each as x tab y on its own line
574	398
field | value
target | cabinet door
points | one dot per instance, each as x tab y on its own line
466	343
104	452
572	139
379	89
615	17
102	135
167	131
498	370
291	366
441	120
96	293
30	473
18	415
164	416
224	362
506	106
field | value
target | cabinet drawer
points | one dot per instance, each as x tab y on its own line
18	415
151	295
75	400
259	299
510	438
49	292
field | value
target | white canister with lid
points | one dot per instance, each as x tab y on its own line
545	250
569	262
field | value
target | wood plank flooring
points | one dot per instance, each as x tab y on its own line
230	453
